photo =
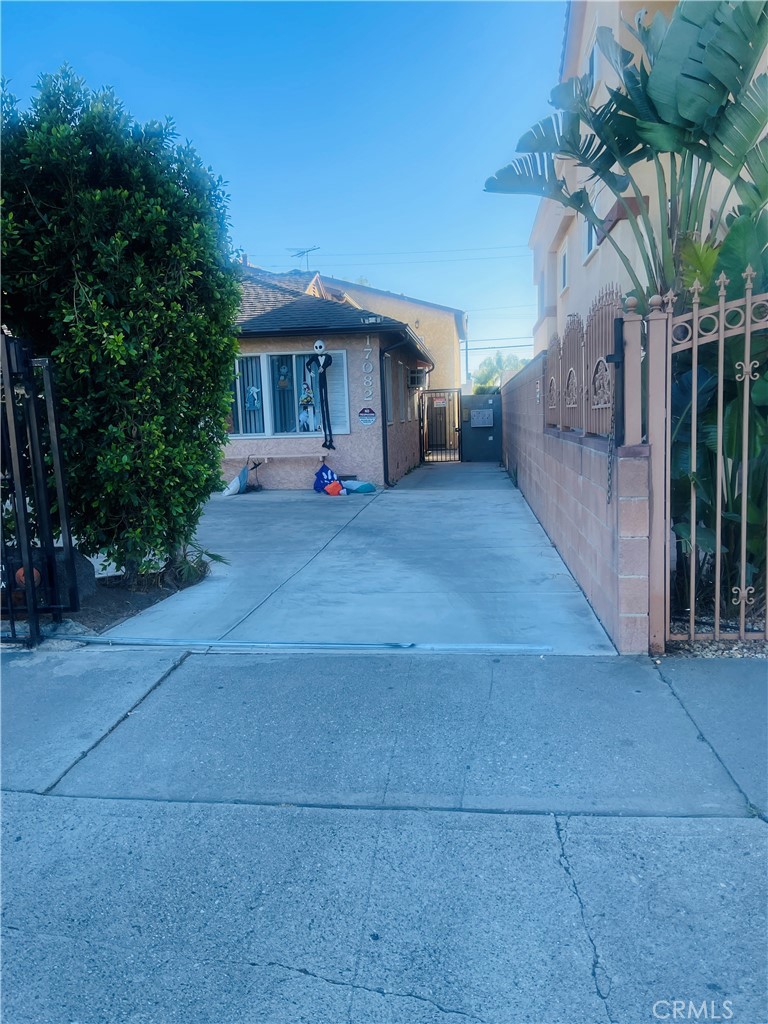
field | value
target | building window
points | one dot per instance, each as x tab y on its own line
247	398
563	268
542	296
282	376
590	238
592	68
277	394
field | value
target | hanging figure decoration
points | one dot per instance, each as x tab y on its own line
306	408
322	360
253	399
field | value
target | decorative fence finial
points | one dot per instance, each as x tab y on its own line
723	282
630	304
696	289
655	302
669	301
749	275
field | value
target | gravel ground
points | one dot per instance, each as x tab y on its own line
717	649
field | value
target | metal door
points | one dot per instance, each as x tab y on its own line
441	425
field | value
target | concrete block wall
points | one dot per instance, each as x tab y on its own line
564	478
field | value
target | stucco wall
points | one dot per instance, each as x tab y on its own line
436	326
564	479
358	453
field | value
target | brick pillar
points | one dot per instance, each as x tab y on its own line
632	486
657	354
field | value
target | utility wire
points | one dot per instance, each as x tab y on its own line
498	348
405	252
482	309
405	263
514	337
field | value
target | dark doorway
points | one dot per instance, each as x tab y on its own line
440	425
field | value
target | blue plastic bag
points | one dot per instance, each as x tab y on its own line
323	477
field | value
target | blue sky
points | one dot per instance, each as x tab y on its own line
367	129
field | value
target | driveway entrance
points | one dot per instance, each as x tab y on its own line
451	556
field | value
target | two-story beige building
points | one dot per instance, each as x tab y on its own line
572	262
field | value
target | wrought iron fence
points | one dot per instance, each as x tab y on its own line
37	574
581	379
717	458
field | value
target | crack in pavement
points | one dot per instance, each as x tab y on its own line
752	811
301	569
365	988
598	971
48	791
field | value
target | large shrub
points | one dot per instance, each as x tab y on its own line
117	265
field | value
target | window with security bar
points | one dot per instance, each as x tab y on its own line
276	395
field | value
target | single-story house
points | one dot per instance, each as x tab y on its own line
443	329
294	407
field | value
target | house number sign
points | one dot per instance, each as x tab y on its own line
367	372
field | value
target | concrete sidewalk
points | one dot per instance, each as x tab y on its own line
216	839
452	555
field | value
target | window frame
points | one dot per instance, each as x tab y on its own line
590	236
339	357
563	267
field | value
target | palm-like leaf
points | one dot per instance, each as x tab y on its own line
739	128
650	37
632	78
710	51
754	193
559	135
535	175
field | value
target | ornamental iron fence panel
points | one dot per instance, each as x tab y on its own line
708	431
37	574
581	368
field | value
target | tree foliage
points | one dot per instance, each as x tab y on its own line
489	373
117	265
689	105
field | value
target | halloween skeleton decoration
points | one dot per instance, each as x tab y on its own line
322	360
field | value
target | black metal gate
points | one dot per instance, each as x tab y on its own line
37	574
440	421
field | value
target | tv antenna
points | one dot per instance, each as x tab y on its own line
300	253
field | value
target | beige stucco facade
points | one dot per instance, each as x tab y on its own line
443	330
293	459
560	235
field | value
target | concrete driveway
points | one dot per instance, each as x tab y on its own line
452	556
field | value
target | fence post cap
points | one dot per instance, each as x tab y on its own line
655	302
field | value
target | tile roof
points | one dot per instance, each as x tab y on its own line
296	280
272	309
261	296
